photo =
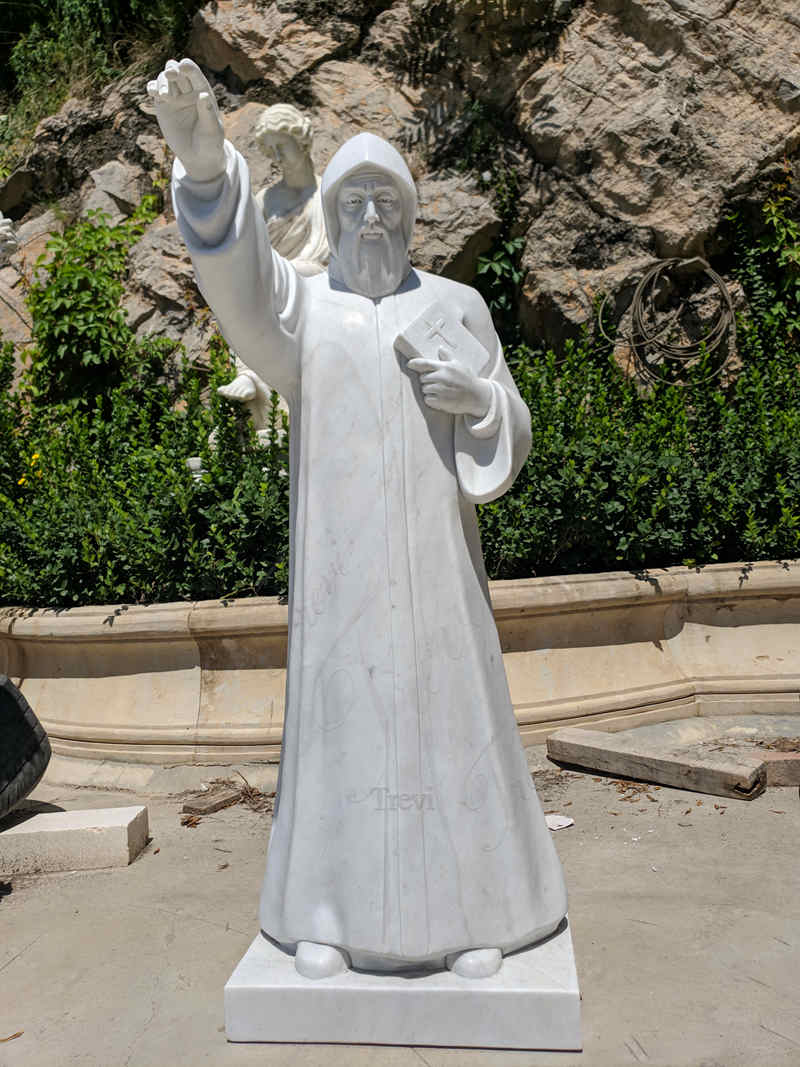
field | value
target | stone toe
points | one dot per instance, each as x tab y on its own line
313	960
476	962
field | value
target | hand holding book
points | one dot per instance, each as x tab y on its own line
449	361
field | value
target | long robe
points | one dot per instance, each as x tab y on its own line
406	826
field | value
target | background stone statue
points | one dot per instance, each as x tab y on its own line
292	209
8	239
407	831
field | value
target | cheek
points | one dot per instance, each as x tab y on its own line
348	220
392	217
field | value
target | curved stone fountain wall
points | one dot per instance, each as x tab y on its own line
202	683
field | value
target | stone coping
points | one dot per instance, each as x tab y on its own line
515	598
202	682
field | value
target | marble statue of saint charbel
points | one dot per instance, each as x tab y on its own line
407	830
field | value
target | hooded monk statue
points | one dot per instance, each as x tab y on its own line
407	832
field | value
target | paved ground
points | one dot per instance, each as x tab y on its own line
685	913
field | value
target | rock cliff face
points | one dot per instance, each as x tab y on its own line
632	126
650	118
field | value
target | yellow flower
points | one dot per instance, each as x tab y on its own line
22	480
34	458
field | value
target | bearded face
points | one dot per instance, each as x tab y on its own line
372	254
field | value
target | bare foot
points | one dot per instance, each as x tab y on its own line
313	960
476	962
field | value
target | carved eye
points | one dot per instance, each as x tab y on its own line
387	200
353	201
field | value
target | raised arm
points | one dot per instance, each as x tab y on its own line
253	292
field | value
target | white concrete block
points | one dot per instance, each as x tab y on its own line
533	1002
74	840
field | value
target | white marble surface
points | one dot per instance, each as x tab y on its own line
406	828
8	238
532	1003
292	207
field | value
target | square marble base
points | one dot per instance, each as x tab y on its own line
532	1003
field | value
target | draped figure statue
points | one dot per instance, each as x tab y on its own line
407	831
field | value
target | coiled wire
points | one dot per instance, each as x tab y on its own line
662	361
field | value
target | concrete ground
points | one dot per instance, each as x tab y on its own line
685	913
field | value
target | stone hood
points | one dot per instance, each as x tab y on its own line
365	150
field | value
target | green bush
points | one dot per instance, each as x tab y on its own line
625	477
78	324
98	507
96	501
47	49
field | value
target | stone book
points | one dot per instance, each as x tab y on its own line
438	334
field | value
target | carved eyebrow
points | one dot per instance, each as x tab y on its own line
357	187
378	194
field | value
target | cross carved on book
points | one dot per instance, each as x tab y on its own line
436	330
438	333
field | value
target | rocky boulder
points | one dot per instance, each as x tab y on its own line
263	43
115	189
456	224
632	126
17	272
81	138
162	298
648	122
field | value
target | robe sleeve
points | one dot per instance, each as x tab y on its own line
254	293
490	452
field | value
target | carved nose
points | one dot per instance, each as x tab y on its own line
370	215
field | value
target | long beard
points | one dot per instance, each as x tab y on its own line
372	268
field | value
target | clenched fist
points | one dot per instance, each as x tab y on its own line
189	118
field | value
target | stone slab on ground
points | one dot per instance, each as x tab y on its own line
702	752
783	768
707	753
73	840
627	754
533	1002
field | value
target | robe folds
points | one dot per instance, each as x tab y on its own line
300	234
406	825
